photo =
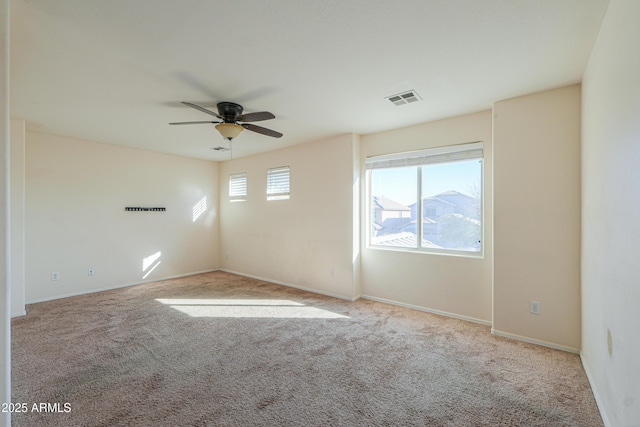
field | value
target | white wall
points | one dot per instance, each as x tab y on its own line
611	215
299	241
459	286
537	216
17	217
76	192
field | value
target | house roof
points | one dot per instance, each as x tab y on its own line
437	199
389	205
451	193
402	240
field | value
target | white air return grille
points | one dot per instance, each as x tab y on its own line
404	98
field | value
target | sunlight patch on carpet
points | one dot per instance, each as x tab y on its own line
248	308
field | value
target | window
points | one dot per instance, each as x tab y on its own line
278	183
238	187
442	187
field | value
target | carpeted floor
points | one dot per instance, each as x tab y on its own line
222	350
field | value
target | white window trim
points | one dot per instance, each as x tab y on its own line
447	154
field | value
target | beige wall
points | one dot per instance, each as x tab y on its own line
458	286
537	216
300	241
17	217
76	192
610	212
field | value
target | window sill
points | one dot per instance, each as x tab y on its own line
443	252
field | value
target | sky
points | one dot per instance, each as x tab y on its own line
400	184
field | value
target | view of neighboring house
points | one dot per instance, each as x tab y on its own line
449	202
389	215
449	220
387	209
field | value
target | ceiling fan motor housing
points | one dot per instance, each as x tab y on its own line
229	111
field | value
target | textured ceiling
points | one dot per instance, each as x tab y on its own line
115	71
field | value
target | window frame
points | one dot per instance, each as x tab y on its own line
274	179
442	155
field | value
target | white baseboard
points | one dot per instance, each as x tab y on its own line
594	390
109	288
428	310
19	314
303	288
535	341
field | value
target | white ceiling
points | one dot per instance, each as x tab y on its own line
115	71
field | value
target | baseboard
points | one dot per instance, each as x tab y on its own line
302	288
428	310
535	341
19	314
594	390
109	288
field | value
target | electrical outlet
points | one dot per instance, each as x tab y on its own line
534	307
90	271
55	276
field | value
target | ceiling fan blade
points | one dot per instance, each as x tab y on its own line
191	123
255	117
261	130
204	110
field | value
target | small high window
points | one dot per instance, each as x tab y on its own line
238	187
278	183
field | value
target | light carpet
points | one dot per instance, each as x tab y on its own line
218	349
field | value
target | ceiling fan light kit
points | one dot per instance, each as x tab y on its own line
229	130
230	114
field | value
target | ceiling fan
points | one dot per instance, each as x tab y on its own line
230	114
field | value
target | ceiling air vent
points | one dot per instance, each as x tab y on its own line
404	98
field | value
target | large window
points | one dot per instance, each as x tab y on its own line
442	187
